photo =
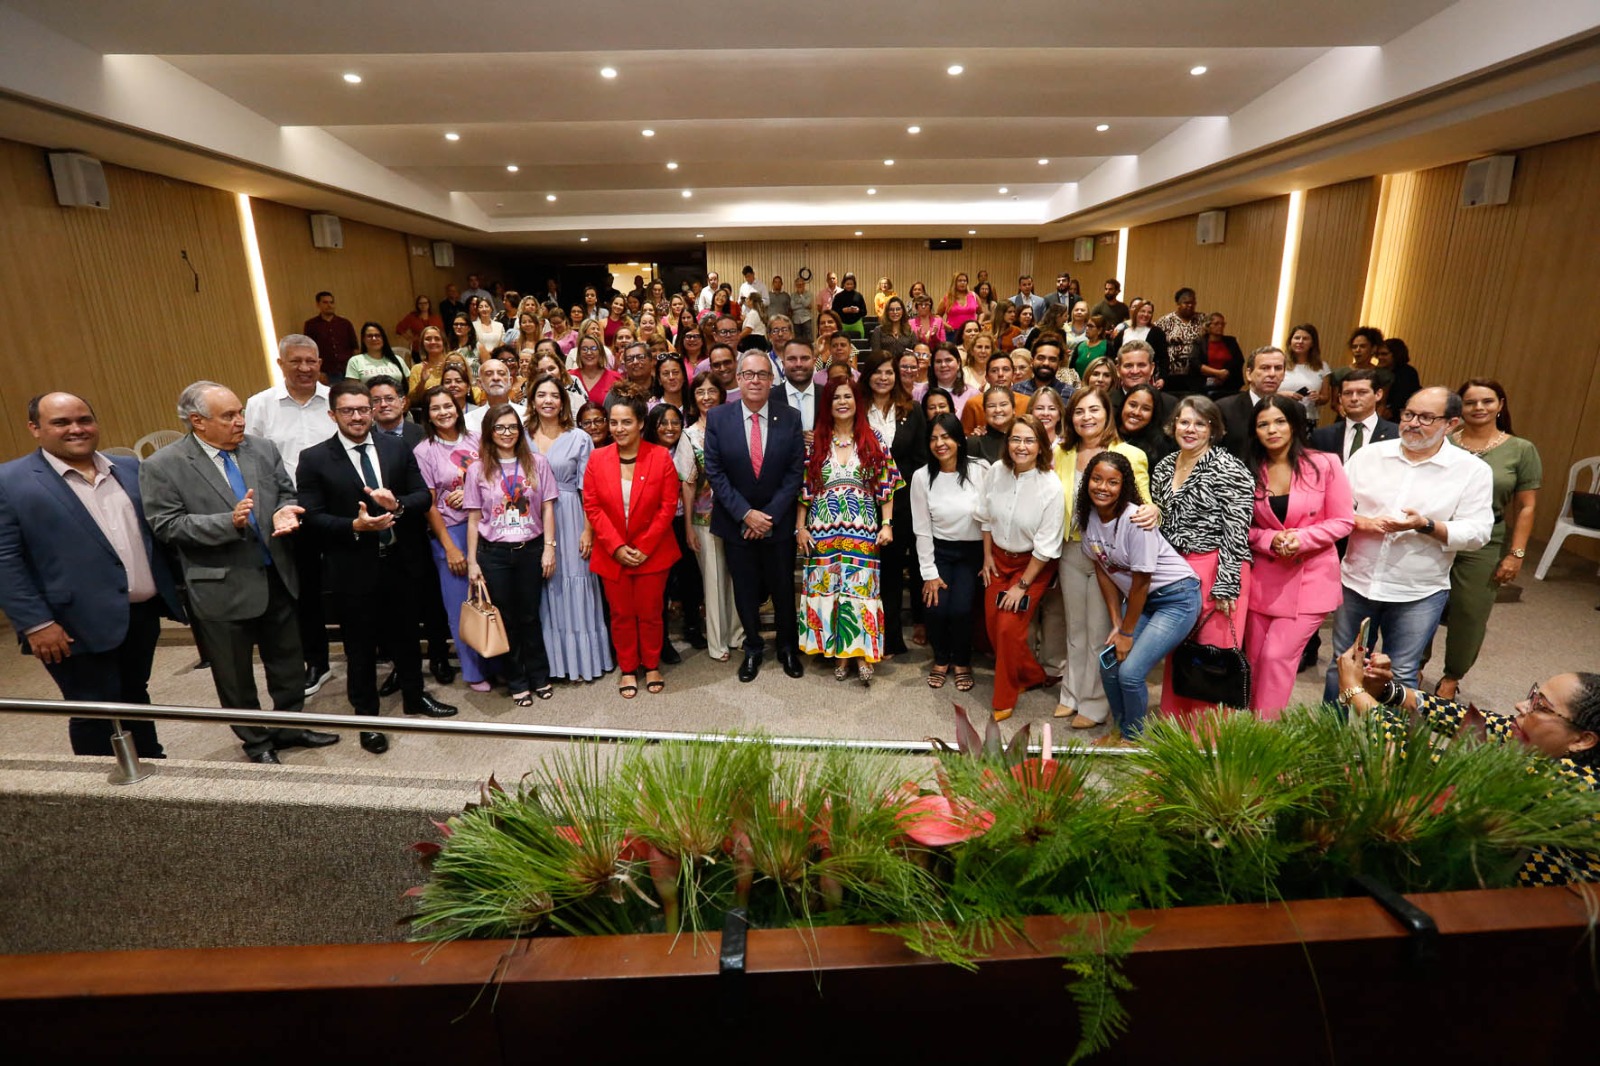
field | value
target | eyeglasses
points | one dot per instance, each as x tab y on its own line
755	375
509	429
1023	442
726	332
1419	417
353	411
636	357
1538	703
592	423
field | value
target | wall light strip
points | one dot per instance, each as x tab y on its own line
1369	288
1286	271
258	289
1122	257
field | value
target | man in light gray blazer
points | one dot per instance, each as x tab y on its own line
224	502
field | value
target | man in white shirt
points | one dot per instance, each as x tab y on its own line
1359	396
474	288
1418	501
495	377
800	388
702	303
751	285
294	415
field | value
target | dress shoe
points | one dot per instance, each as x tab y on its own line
694	637
391	684
792	664
269	756
443	672
750	667
307	738
203	664
669	654
376	743
429	707
316	677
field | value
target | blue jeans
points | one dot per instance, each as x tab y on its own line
1169	614
1406	628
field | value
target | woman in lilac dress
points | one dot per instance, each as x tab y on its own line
575	634
443	458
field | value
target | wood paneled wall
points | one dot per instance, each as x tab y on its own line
101	302
901	261
1238	277
1335	249
1052	257
1493	291
429	280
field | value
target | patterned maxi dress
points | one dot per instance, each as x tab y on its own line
841	614
575	635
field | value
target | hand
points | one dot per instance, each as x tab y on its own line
809	435
548	564
885	536
930	591
1415	520
455	561
758	522
1352	667
1508	570
1148	516
286	519
474	572
1367	524
384	498
1226	606
989	571
1121	642
365	523
1011	599
50	644
1378	674
586	543
636	557
802	541
242	509
455	498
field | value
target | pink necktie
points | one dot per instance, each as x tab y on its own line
755	444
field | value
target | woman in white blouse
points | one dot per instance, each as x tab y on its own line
487	332
944	503
1021	512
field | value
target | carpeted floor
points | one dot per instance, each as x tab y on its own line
1552	628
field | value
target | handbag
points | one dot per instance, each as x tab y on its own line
1586	509
1211	674
482	628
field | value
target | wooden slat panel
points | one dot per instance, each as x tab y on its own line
1335	245
1238	277
1052	257
429	280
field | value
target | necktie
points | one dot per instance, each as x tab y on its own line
1357	441
230	470
755	444
370	476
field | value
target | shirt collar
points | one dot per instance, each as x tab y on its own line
351	446
280	392
102	465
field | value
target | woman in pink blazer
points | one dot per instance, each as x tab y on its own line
1302	509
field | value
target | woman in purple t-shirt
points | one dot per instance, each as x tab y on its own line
1150	590
509	497
443	458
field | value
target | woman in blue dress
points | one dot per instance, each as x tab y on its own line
575	634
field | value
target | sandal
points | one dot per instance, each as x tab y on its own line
545	692
1080	721
936	677
522	699
656	687
841	671
628	691
1001	716
1454	685
963	680
865	672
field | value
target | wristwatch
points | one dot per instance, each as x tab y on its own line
1518	552
1427	527
1350	694
1022	586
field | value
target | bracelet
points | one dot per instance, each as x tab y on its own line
1124	633
1394	693
1348	695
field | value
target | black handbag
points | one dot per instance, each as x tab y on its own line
1586	509
1211	674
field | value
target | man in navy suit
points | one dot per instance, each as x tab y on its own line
755	456
81	578
1359	396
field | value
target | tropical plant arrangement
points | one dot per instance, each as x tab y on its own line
950	855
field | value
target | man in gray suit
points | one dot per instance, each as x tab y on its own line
224	501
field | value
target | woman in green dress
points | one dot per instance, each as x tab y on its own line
1476	576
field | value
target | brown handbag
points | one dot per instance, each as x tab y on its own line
482	628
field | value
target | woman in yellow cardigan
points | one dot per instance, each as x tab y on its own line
1075	622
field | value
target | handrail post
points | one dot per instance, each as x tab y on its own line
129	770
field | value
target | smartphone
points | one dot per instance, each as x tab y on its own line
1302	392
1361	635
1108	656
1022	604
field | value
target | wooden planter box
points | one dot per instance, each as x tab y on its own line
1509	980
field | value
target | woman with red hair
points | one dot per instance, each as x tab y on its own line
849	500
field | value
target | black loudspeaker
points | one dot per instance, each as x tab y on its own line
952	244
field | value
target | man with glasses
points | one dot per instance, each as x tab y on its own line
495	379
1418	501
754	456
364	495
721	363
638	372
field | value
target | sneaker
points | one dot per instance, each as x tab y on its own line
316	677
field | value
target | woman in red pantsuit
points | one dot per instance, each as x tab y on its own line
630	495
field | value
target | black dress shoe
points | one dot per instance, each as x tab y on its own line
268	756
669	654
316	676
308	738
391	684
750	667
430	707
791	662
443	672
376	743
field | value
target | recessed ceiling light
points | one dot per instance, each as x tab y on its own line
1102	127
953	69
550	196
452	136
1004	190
608	72
1197	71
633	262
353	79
972	233
913	129
872	192
583	239
647	133
687	194
858	233
1044	162
888	162
672	166
512	167
700	235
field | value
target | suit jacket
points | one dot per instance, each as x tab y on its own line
331	491
1236	411
1321	512
735	487
190	506
56	565
1330	438
411	434
647	524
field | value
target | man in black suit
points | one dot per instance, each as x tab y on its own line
389	411
224	502
1263	373
800	389
81	577
363	493
1359	396
755	456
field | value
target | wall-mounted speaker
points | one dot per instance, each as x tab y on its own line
1487	182
80	181
947	244
326	232
444	254
1211	227
1083	250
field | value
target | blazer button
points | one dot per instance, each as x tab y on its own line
121	589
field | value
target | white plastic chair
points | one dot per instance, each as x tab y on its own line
128	453
150	443
1565	526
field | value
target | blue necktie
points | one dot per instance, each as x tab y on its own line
230	469
370	476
